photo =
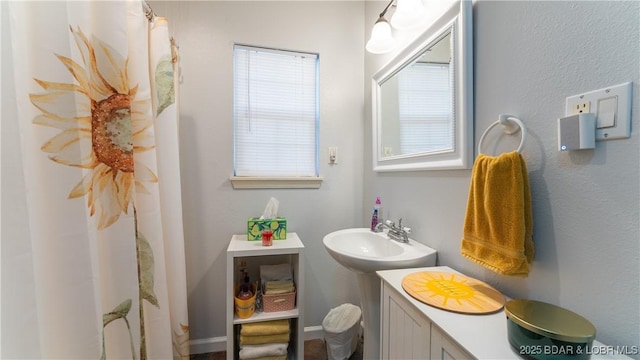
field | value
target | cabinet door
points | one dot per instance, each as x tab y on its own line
405	333
443	348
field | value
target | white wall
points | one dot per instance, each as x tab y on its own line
529	56
213	210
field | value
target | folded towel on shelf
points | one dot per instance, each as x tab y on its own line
276	272
265	328
278	287
264	350
263	339
498	225
279	357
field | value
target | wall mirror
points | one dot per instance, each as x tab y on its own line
423	99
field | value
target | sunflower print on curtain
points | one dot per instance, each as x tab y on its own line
105	124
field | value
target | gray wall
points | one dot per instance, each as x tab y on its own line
529	56
213	210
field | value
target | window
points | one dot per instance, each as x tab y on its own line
275	109
425	108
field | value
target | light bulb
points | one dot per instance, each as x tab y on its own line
409	14
381	40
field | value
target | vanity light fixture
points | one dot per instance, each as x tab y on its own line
408	15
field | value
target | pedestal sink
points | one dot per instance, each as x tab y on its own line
365	252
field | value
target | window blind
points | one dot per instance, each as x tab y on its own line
425	111
275	112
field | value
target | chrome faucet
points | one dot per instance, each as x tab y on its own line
397	233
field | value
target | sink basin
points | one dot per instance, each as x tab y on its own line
364	251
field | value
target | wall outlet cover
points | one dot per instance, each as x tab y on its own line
611	106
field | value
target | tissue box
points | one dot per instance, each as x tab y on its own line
256	225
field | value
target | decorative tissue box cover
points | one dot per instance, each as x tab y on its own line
256	225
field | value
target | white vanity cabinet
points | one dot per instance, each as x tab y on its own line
443	348
406	333
411	329
254	254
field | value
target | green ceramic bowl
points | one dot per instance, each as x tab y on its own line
538	330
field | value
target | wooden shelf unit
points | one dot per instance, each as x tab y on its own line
282	251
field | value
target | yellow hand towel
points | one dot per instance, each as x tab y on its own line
265	328
264	339
498	226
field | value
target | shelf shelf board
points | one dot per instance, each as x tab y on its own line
239	246
266	316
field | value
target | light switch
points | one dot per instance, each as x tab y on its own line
607	109
333	155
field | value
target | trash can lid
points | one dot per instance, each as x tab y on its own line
341	318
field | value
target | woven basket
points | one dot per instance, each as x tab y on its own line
279	302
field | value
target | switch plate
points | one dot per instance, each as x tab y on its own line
333	155
612	108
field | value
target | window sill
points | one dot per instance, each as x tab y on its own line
250	182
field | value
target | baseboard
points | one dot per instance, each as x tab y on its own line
313	332
209	345
219	343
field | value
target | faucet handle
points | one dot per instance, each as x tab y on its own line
407	230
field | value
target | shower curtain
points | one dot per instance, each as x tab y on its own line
96	269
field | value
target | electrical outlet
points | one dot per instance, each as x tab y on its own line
581	108
610	105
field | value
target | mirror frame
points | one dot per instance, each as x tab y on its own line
458	20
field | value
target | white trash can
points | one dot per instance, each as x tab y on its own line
341	329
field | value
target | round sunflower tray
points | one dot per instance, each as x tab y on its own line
453	292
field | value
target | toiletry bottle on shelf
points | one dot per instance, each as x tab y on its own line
245	290
245	293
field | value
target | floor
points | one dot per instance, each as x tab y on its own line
313	350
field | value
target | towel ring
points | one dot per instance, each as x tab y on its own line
511	125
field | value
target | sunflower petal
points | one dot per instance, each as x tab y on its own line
140	123
57	122
50	85
78	72
143	141
143	173
109	209
91	203
78	36
82	188
73	148
123	195
99	88
61	141
101	176
64	104
111	65
141	189
106	219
